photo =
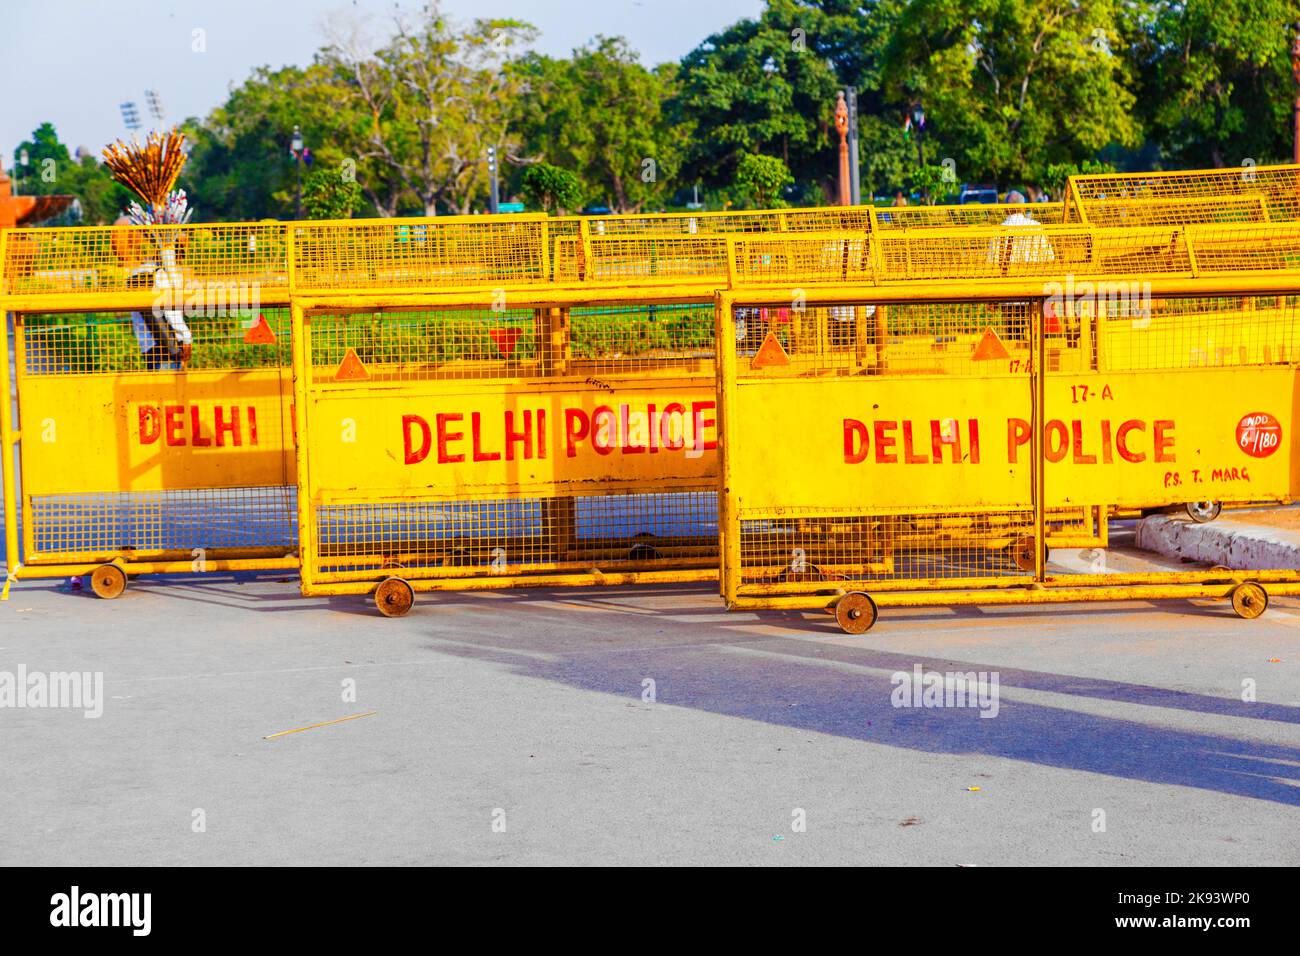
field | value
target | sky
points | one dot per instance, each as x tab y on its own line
73	62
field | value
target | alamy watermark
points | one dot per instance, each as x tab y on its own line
62	690
76	909
214	299
1111	299
925	689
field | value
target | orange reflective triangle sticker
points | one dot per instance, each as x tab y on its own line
351	369
989	347
506	339
259	333
770	353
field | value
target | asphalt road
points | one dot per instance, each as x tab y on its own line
1120	735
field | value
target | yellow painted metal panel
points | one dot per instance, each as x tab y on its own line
927	443
155	431
474	443
444	441
897	443
893	448
1139	439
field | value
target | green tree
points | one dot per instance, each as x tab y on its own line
601	114
1217	83
51	170
329	194
240	166
1057	174
551	188
755	87
427	105
887	155
932	182
1010	86
45	153
761	179
102	198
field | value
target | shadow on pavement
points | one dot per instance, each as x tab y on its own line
700	657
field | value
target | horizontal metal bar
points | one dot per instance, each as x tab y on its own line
31	571
619	578
1010	596
133	301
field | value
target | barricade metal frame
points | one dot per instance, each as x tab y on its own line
855	597
83	521
1235	194
414	563
98	282
82	269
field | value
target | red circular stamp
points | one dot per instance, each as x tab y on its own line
1259	434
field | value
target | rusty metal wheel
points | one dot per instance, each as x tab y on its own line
855	613
1249	600
394	597
108	581
1203	511
1022	553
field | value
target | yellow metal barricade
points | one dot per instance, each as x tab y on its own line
918	451
135	458
1206	196
147	465
1115	269
465	441
948	259
136	455
132	462
160	484
973	214
799	219
104	267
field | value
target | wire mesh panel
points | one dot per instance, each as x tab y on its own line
1244	248
513	251
351	255
395	345
206	261
1243	194
877	443
644	259
1028	250
481	447
190	525
1032	250
1136	331
967	451
1174	399
135	447
813	219
971	214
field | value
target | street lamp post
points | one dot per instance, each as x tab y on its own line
842	127
494	197
23	160
855	180
918	121
297	149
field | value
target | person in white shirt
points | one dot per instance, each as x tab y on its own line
1013	254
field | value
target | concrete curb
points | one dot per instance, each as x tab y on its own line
1233	544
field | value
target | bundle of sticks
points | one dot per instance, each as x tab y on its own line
150	171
